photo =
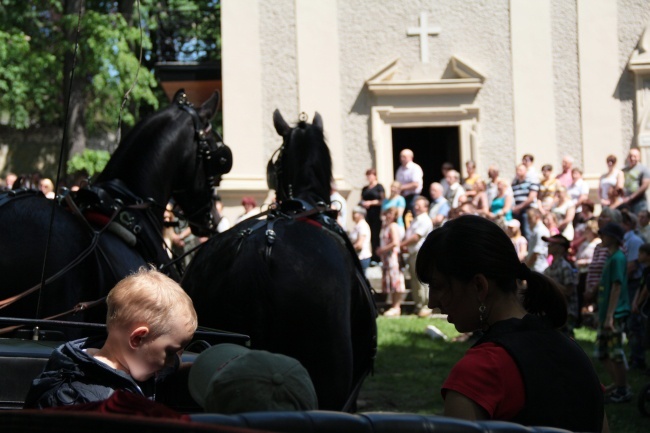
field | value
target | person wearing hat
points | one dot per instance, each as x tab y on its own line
521	244
613	310
229	379
360	236
565	275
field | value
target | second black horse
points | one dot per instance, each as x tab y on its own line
291	281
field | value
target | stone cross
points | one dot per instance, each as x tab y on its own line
423	32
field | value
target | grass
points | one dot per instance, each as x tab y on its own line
411	367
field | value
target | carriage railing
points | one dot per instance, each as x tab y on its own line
211	336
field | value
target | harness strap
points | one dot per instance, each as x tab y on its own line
331	226
85	253
270	237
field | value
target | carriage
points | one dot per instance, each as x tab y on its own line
289	280
100	234
113	227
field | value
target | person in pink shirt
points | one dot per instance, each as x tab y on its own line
565	177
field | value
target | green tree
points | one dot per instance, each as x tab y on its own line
37	60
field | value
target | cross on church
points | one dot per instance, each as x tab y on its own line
423	32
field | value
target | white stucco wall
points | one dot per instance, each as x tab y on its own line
279	68
371	33
633	17
477	32
566	77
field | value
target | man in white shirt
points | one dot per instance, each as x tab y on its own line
360	236
456	193
439	208
414	237
578	190
410	175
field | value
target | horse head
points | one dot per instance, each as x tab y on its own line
303	168
175	153
196	197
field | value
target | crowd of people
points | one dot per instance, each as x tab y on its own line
598	260
29	181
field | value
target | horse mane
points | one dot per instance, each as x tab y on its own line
307	163
155	128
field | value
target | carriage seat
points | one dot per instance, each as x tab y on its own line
20	362
319	421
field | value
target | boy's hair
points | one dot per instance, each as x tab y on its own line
150	297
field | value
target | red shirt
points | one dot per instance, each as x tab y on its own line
488	375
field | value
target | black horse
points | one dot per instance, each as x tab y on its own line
115	226
292	281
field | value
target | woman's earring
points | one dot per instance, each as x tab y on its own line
482	315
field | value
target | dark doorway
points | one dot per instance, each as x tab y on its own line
431	148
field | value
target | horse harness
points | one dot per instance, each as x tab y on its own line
216	157
99	209
319	215
96	208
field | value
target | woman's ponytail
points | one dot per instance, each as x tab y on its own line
542	297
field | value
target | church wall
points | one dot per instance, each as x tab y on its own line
633	17
279	68
591	96
532	77
477	32
566	85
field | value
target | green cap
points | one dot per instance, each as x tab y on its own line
228	378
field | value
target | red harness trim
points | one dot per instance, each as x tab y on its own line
311	221
97	218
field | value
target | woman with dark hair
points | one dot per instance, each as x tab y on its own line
548	184
372	196
612	179
522	369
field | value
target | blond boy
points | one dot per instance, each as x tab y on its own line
149	322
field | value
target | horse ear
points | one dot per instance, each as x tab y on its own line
209	107
178	96
281	126
318	121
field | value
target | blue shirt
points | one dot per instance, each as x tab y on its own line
632	242
521	189
398	202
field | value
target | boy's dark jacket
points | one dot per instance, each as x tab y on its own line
72	376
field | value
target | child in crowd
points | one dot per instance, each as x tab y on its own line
520	242
150	320
565	276
613	310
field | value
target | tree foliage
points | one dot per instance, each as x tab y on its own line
33	45
90	162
